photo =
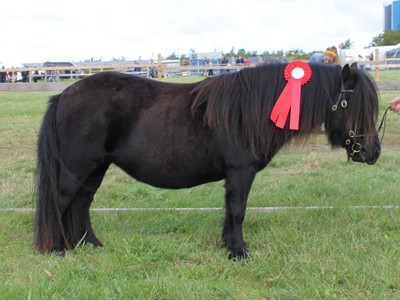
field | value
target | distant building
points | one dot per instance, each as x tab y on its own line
203	58
392	16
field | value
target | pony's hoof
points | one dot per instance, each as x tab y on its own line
238	255
59	253
95	242
92	239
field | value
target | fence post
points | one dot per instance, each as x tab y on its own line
159	68
376	65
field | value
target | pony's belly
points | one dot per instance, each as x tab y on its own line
174	176
174	158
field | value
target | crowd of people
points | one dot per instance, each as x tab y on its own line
11	77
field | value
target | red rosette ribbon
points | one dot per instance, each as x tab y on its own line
297	73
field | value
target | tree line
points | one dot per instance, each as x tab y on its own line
387	38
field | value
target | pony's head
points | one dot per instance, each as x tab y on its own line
351	120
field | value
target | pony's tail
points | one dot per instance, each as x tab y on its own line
49	231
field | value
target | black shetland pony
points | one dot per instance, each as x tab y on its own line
182	135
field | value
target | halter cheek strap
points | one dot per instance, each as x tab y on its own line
352	136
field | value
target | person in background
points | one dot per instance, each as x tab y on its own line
137	69
240	60
3	76
206	64
395	104
329	56
224	63
210	71
369	57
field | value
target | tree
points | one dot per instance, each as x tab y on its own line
172	56
296	54
241	52
118	59
387	38
347	44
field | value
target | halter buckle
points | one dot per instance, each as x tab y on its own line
356	148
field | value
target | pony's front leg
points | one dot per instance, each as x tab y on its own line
237	186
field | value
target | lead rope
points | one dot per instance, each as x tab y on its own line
383	123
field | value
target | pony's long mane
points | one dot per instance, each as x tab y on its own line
240	104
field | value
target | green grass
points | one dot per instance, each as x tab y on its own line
326	254
338	253
183	79
387	75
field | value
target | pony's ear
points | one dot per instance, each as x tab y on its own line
346	72
354	65
348	77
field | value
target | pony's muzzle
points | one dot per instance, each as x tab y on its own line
374	157
368	154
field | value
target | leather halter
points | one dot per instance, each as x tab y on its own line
352	136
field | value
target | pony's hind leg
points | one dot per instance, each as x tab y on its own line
75	208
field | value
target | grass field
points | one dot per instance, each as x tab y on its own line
335	253
386	75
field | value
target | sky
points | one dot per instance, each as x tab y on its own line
75	30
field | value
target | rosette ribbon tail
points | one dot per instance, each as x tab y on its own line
289	100
295	101
282	106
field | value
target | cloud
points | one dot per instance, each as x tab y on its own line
83	29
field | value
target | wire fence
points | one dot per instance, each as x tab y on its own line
265	209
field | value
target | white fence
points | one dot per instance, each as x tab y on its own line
150	70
